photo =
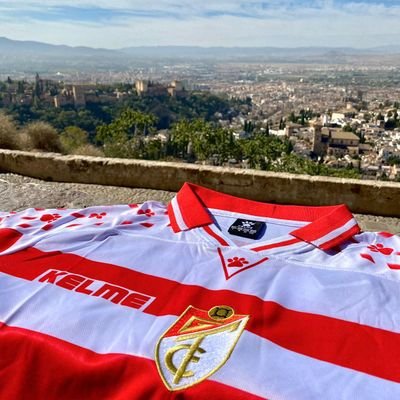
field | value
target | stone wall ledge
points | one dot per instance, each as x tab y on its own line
365	197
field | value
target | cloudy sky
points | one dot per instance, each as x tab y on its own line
281	23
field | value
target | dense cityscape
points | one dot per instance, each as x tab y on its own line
327	119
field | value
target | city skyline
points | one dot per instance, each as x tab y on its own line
283	23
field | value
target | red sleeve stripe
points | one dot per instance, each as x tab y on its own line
68	371
362	348
8	237
174	225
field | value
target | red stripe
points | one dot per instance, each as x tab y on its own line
341	238
8	237
274	245
359	347
174	225
215	236
36	366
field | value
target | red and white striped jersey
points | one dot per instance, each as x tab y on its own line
210	297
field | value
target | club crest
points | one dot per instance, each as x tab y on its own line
198	344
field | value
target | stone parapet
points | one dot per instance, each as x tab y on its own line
366	197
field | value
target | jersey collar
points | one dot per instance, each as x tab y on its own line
328	226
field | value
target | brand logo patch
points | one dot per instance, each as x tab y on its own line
198	344
248	229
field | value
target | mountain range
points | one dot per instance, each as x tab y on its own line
31	47
14	54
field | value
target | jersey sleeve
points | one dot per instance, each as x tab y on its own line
66	227
383	250
21	229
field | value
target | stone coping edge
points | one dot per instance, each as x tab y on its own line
365	197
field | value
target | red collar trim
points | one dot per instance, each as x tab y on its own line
329	226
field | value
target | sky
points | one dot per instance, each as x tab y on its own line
277	23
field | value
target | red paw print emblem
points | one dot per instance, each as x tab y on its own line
50	217
147	213
98	216
379	248
237	262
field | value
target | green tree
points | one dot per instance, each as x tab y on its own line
122	137
292	117
261	151
347	128
205	141
390	124
73	137
20	88
380	117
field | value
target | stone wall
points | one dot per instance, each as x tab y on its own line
366	197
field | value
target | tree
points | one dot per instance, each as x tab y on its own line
205	141
20	89
347	128
390	124
38	91
73	137
292	117
123	136
261	151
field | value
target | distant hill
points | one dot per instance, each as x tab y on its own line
29	47
28	56
233	52
17	47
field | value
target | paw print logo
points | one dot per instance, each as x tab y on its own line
48	218
147	212
97	215
237	262
380	248
247	224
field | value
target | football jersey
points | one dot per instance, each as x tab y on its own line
208	297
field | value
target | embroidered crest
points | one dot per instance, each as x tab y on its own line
198	344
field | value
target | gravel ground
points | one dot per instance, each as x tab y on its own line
20	192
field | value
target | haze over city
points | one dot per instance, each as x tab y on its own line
278	23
